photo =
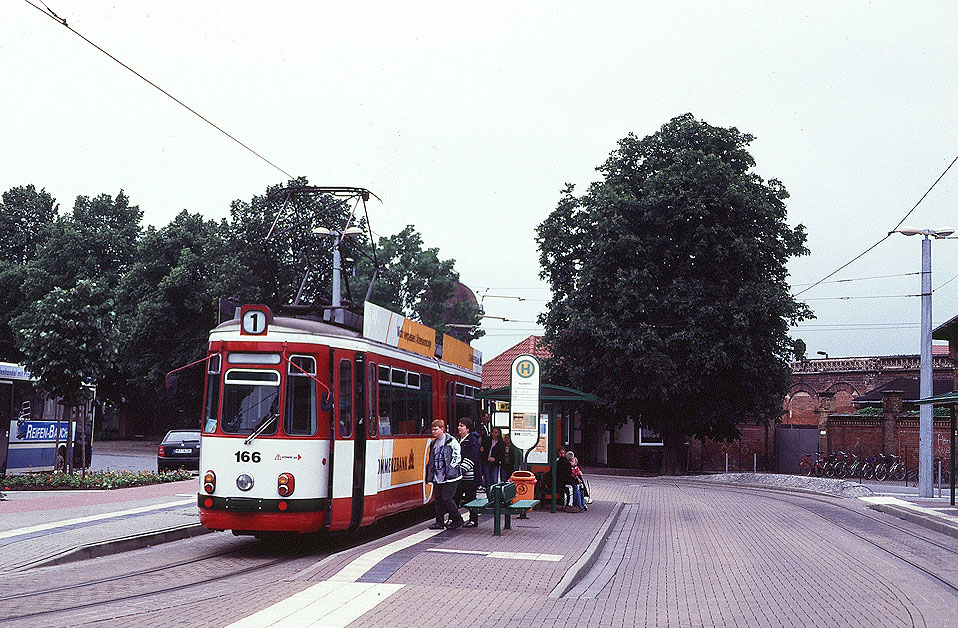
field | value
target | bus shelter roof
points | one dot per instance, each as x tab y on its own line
547	392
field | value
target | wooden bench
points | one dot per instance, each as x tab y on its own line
500	503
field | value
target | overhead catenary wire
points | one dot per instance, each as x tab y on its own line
49	13
872	296
851	279
885	237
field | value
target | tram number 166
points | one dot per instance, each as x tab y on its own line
245	456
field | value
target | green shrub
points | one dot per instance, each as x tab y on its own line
92	480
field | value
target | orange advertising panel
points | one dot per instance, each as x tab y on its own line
459	353
417	338
402	462
396	330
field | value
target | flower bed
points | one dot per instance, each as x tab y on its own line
92	480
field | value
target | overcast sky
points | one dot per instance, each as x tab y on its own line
467	120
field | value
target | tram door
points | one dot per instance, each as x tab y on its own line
342	441
6	415
359	440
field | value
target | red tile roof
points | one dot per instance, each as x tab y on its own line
495	372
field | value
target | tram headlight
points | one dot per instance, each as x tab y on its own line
244	482
209	482
285	484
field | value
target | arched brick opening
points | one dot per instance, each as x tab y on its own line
800	407
845	393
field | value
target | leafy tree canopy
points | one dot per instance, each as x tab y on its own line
669	284
166	304
97	241
25	217
68	338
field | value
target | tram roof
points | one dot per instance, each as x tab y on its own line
308	325
313	326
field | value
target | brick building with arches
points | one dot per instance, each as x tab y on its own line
849	378
863	406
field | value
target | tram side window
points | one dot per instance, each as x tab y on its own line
413	403
345	398
300	418
385	402
466	405
450	402
372	403
398	393
212	394
425	396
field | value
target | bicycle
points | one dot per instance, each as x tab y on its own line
843	468
890	466
809	465
857	467
868	468
832	464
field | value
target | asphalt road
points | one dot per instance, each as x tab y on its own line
124	455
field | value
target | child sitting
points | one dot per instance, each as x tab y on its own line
577	484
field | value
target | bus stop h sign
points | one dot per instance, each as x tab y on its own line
524	402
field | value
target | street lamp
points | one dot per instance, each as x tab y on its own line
337	303
822	353
926	425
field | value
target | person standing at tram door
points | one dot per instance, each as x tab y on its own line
482	430
443	471
469	444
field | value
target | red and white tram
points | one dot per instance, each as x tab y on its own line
310	426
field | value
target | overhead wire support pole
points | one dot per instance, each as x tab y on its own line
925	411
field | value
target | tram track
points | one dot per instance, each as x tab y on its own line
141	572
309	548
73	605
763	492
816	497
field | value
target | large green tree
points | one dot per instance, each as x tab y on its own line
669	284
96	241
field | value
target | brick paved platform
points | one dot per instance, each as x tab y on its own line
675	553
648	552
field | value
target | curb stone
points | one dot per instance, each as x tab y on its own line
116	546
588	557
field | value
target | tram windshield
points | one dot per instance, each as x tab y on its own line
250	401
